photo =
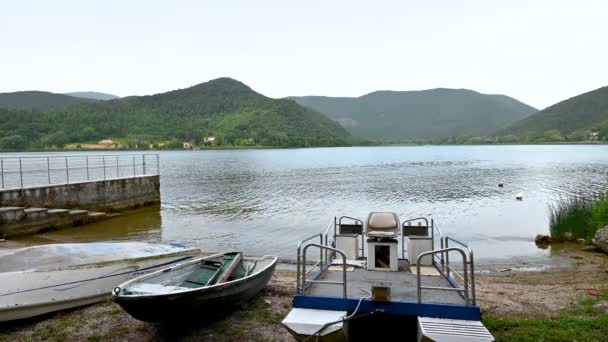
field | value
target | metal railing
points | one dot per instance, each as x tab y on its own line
464	290
28	171
300	267
469	262
313	281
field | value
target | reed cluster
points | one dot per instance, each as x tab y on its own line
578	216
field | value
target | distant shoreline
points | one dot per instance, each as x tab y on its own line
216	148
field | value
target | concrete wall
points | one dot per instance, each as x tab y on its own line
103	195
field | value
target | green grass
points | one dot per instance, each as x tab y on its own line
581	322
579	215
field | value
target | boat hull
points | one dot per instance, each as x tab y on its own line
198	304
34	292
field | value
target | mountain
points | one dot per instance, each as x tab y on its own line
571	118
93	95
224	107
426	114
37	100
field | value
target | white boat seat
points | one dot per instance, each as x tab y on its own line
144	288
382	225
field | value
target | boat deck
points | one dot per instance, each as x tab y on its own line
402	284
403	297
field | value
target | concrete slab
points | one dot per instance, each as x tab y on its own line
35	210
7	209
58	211
97	214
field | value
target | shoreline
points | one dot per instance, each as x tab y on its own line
228	148
540	295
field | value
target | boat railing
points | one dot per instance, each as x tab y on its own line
442	257
471	265
326	235
300	264
463	290
305	282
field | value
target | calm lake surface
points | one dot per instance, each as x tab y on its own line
264	201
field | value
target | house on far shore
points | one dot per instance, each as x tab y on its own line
595	136
105	142
209	140
188	146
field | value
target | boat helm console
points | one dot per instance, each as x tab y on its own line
382	229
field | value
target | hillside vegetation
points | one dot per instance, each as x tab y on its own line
571	120
427	114
38	100
93	95
224	108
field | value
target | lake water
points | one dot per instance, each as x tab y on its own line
264	201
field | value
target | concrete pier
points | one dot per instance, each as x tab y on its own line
110	195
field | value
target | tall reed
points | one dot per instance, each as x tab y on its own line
579	215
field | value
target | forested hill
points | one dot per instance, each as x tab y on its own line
573	119
93	95
38	100
224	108
426	114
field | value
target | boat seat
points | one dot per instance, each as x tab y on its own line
146	288
208	272
215	272
382	225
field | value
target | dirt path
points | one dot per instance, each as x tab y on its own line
535	294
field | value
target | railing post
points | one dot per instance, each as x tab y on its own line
117	170
304	271
133	165
298	271
103	163
472	277
157	165
20	174
88	168
143	160
321	253
48	169
2	171
67	171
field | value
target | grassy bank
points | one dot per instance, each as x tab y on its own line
578	217
583	321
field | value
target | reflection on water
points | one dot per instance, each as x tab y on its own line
141	224
264	201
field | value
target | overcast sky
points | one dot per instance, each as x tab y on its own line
539	52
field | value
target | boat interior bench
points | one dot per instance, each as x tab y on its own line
215	272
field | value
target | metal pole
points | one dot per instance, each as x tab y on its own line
103	158
2	171
157	165
143	159
67	171
133	165
21	173
88	168
48	169
117	171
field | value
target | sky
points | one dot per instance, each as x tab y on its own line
539	52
